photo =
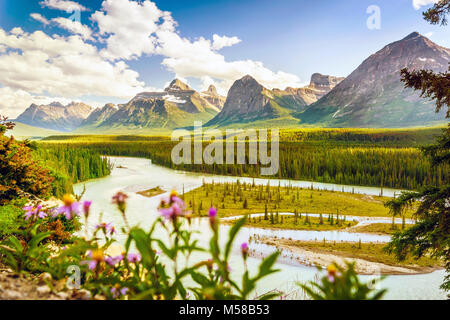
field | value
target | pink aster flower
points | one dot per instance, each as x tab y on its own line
31	212
87	207
95	256
116	291
134	257
69	211
108	227
112	261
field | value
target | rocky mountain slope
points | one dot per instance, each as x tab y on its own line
56	116
99	115
374	96
249	101
319	86
177	106
213	97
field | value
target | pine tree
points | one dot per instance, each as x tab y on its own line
265	212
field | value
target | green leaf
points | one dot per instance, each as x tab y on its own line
233	232
36	240
265	268
142	244
16	244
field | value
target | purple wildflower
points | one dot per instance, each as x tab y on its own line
112	261
34	212
213	217
96	257
134	257
108	227
87	207
116	291
69	210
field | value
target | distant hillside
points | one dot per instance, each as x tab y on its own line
213	97
374	96
56	116
177	106
23	131
250	104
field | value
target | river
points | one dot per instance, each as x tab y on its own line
131	175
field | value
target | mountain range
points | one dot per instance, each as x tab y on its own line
56	116
371	96
374	96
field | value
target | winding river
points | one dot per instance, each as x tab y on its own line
135	174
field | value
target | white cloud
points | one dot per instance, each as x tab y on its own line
198	59
13	102
62	66
130	37
417	4
429	34
222	42
63	5
40	18
39	64
74	27
152	31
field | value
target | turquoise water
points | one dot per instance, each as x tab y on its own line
140	174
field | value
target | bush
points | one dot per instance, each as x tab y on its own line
11	218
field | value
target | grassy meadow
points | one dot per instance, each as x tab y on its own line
297	222
241	199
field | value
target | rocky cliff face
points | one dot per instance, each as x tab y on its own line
179	93
247	101
56	116
319	86
373	94
213	97
177	106
99	115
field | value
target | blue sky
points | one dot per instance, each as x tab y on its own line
282	42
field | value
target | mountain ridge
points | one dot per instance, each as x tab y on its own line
373	95
56	116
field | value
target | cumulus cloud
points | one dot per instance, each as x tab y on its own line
222	42
74	27
132	37
40	18
13	102
152	31
63	5
417	4
62	66
39	64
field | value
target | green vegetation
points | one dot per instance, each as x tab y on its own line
244	198
151	192
381	228
71	165
370	157
342	284
23	131
373	252
11	218
431	235
297	222
143	274
20	175
29	173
